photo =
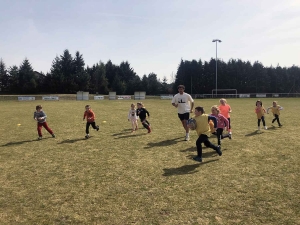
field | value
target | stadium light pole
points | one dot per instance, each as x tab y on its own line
216	40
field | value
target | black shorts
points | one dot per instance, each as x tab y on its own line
184	116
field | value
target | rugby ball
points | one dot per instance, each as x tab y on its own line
192	124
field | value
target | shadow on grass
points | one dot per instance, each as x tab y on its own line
21	142
131	135
163	143
125	131
186	169
254	133
70	141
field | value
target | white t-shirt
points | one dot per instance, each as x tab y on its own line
184	102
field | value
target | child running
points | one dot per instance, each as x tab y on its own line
276	112
203	131
142	113
132	117
260	112
222	123
90	120
225	110
40	116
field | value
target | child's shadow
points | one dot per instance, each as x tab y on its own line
19	142
70	141
254	133
125	131
162	143
186	169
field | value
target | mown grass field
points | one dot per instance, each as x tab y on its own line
117	177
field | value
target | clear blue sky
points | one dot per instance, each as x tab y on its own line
153	35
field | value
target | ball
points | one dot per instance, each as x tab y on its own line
192	124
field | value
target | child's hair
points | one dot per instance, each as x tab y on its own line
141	104
258	102
181	86
223	99
200	109
216	108
87	106
275	102
38	107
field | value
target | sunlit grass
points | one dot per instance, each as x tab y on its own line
117	177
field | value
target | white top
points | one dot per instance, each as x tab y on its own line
132	114
184	102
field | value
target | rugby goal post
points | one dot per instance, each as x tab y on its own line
224	92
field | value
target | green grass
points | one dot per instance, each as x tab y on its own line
116	177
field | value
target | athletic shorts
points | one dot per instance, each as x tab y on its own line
184	116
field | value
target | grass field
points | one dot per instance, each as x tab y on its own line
117	177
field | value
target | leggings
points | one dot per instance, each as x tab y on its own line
220	135
145	123
263	120
276	118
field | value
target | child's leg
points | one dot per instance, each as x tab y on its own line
39	129
208	144
219	135
199	142
229	125
277	118
133	124
87	127
258	122
263	120
136	124
274	118
47	128
145	124
94	125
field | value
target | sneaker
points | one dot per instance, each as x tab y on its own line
266	128
40	138
229	136
87	136
149	130
280	125
258	128
218	150
136	128
97	128
198	159
53	135
187	138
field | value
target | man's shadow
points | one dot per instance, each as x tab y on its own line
163	143
186	169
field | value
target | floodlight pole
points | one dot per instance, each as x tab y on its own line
216	40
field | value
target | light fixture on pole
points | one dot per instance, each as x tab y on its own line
216	40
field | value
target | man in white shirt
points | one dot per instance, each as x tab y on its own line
185	104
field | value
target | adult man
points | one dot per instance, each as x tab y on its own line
185	104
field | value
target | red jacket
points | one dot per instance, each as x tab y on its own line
90	116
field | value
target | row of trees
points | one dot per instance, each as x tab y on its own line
68	74
200	77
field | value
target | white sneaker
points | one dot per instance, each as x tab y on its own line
266	128
87	136
187	138
258	128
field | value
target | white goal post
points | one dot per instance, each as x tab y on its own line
215	92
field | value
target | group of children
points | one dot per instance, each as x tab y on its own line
133	115
220	117
221	122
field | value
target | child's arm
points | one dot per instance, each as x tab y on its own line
214	119
147	112
84	115
268	110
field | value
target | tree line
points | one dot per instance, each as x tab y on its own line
68	74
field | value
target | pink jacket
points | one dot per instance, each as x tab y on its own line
222	120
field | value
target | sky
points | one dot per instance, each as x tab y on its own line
153	36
